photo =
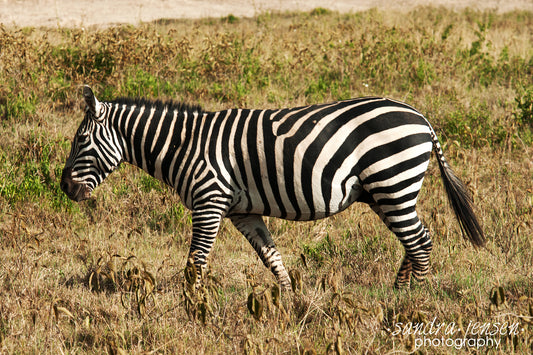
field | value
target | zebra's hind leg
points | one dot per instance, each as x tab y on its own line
415	238
403	279
254	229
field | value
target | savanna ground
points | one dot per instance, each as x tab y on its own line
107	275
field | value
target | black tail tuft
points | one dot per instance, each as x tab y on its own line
462	203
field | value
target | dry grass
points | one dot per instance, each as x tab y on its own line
107	275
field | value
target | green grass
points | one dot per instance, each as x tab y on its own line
470	73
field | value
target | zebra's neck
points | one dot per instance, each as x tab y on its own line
154	133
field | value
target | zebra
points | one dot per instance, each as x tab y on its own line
301	164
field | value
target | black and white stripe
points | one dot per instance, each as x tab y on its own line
300	163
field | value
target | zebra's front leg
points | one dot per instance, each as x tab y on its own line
205	225
254	229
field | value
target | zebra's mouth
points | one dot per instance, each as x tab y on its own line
74	190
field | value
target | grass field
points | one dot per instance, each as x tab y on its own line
107	275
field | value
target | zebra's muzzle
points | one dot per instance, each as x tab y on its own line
74	190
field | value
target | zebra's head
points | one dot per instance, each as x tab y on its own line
94	153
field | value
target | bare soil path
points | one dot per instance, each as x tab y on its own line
68	13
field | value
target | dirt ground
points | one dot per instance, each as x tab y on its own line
80	13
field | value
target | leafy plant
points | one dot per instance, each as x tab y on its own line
524	101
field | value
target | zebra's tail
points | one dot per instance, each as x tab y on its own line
460	198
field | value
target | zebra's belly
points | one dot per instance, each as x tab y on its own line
345	198
304	205
340	199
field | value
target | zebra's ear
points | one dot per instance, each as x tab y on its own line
93	105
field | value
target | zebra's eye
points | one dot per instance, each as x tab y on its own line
83	136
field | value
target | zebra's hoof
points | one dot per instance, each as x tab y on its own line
402	284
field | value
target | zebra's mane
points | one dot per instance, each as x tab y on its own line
159	105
